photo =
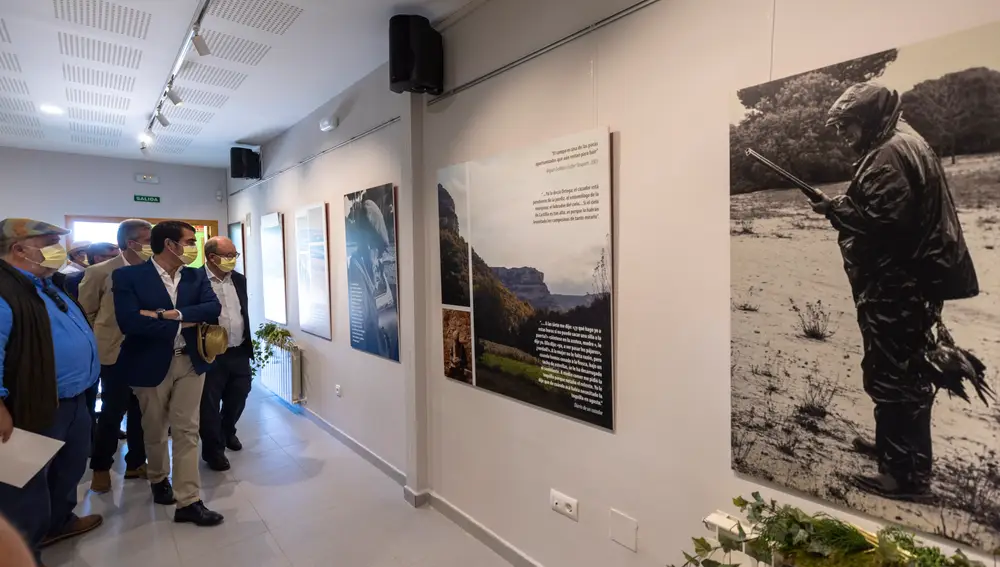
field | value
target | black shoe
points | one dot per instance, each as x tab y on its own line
163	493
865	447
887	487
198	515
233	443
217	463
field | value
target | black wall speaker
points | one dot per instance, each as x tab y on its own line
416	56
244	163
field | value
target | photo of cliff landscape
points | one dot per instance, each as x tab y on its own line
453	224
814	324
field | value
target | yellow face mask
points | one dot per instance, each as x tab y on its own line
227	264
190	254
53	257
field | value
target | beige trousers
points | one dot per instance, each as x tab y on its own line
175	403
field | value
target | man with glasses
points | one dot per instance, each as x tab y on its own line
228	381
48	360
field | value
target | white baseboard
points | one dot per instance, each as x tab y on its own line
486	536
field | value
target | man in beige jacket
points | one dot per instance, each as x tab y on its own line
117	397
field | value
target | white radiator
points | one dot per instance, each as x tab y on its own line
283	374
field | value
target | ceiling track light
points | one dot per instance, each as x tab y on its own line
174	98
200	45
193	38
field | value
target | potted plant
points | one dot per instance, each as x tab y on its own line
784	536
268	336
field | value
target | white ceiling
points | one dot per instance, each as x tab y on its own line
104	64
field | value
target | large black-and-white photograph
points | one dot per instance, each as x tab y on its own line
373	298
865	220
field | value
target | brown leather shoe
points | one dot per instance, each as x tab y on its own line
135	473
101	483
75	528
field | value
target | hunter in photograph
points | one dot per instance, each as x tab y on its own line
373	304
865	213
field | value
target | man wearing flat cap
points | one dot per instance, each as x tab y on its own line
48	360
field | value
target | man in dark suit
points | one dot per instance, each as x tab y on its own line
228	381
157	305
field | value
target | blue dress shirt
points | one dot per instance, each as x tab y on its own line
77	365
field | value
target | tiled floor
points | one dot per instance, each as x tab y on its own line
295	497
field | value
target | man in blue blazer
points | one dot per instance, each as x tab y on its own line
157	305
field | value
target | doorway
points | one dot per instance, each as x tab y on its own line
105	229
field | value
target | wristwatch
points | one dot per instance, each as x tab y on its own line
160	312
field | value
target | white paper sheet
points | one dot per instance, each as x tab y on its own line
23	455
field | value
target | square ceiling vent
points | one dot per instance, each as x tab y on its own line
185	114
235	49
96	116
21	132
16	105
96	141
20	120
13	86
104	16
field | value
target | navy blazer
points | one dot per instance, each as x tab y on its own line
148	348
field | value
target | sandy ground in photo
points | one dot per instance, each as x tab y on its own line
783	254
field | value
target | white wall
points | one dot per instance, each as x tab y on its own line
662	80
48	186
372	409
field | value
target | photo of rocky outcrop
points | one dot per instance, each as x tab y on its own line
456	334
453	218
863	284
528	284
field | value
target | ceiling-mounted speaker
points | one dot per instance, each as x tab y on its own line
244	163
416	56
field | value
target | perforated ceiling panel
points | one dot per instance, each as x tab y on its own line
183	114
179	129
99	51
13	86
9	62
95	130
170	144
21	132
237	49
100	100
266	15
98	78
20	120
104	15
16	105
96	141
4	34
201	98
209	75
96	116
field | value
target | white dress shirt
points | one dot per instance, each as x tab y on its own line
231	318
171	283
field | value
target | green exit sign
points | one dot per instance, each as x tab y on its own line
147	199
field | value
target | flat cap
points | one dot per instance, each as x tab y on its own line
28	228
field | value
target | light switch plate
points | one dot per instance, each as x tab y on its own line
624	530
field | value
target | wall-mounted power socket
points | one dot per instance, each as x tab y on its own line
340	393
564	505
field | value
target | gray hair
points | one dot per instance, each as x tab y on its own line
129	230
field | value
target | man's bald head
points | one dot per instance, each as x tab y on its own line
220	246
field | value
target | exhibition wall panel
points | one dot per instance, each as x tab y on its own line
663	80
371	409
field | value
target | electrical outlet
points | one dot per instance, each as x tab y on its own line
562	504
340	394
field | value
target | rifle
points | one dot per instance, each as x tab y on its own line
812	193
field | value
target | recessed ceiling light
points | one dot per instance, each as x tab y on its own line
50	109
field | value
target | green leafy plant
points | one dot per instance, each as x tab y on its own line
783	535
268	336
